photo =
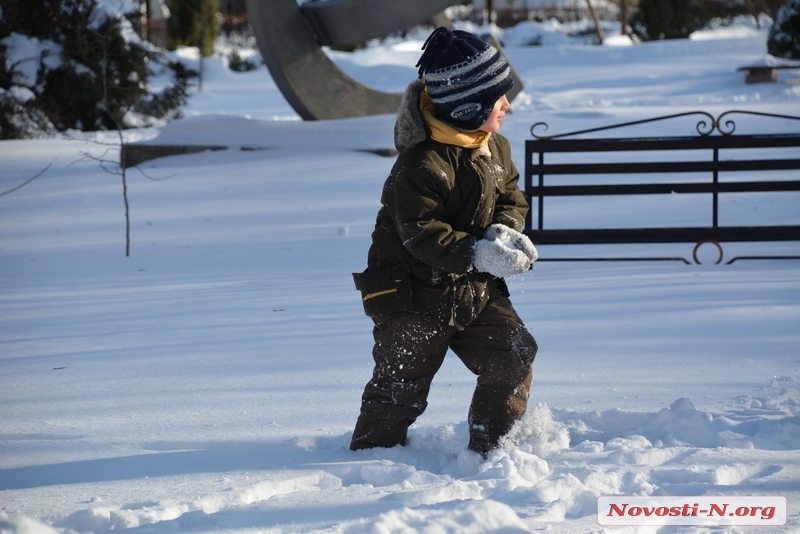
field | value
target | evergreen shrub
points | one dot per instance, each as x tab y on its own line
783	39
80	66
192	23
672	19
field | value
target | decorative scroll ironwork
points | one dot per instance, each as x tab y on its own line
704	128
702	242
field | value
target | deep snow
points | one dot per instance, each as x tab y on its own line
210	381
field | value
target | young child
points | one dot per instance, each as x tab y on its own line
447	233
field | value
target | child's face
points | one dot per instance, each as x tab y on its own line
495	120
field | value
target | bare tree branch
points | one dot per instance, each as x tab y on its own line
174	174
26	182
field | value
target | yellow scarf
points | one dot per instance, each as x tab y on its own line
444	133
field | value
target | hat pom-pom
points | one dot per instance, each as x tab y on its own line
436	41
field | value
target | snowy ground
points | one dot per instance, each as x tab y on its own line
210	381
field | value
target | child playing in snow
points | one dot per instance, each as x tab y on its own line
447	233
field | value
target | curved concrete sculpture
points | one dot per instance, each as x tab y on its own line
290	36
346	22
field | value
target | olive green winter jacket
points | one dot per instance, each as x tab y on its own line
436	203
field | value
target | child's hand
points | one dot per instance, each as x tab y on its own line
499	257
512	239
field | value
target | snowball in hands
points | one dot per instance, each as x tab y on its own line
504	252
513	239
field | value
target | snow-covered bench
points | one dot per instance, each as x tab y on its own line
764	70
659	165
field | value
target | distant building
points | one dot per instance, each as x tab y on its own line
232	7
233	23
155	14
509	12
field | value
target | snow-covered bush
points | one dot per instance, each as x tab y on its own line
79	64
784	34
18	121
238	62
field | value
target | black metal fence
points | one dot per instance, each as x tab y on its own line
706	154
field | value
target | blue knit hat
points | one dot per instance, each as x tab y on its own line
465	77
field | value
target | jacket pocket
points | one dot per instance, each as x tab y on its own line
385	291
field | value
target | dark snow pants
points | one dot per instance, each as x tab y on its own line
409	350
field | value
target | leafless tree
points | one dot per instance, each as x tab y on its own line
598	27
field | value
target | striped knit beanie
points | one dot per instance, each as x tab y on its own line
464	76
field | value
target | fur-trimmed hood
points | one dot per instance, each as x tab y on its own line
410	128
414	126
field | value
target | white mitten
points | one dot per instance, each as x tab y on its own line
513	239
497	231
521	242
498	259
